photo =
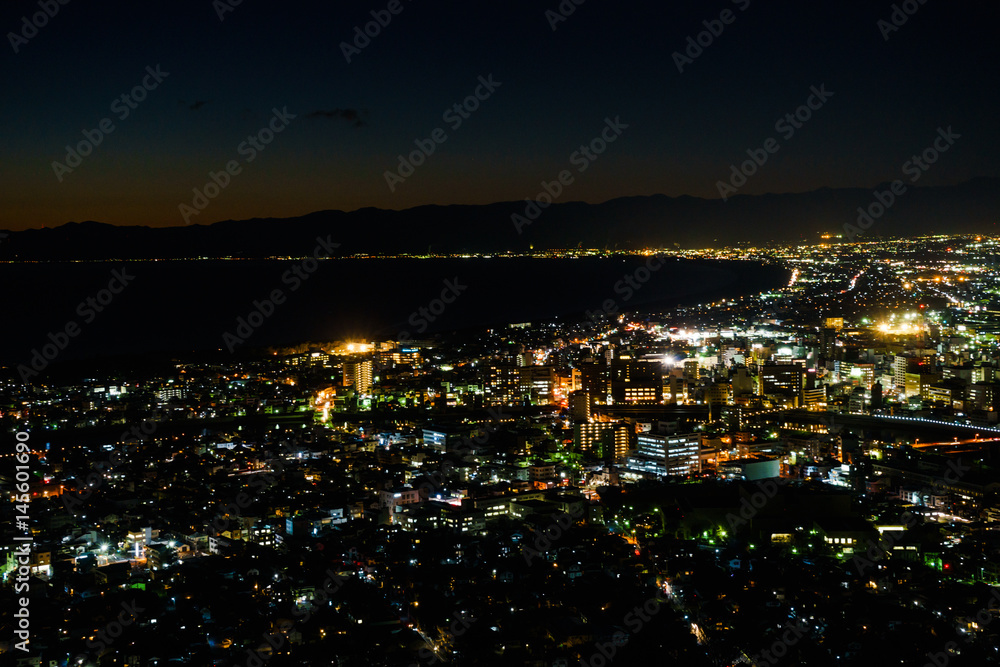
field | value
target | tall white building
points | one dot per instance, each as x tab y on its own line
667	455
359	375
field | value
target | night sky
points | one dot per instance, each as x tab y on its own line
606	60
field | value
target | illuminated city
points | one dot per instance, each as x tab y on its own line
836	431
523	334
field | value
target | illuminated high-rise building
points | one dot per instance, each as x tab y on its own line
782	380
636	382
607	440
539	382
579	406
667	455
596	381
501	384
358	374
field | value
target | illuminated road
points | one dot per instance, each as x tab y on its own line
854	282
883	422
955	443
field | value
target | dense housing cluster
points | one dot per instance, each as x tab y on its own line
798	477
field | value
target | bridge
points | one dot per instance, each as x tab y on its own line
919	425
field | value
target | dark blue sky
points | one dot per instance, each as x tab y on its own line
607	59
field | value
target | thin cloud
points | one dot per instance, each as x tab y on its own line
357	117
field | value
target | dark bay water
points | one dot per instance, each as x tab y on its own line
186	305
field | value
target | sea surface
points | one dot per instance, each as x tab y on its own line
169	306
